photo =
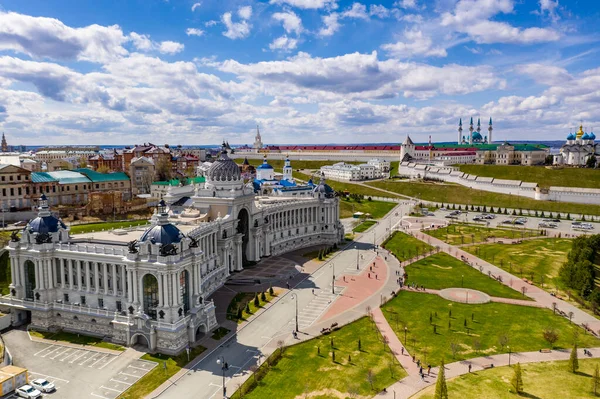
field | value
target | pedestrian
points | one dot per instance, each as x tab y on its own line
313	291
288	285
428	369
369	274
422	377
469	367
420	369
371	268
402	351
419	363
413	358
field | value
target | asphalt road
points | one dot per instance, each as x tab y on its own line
245	349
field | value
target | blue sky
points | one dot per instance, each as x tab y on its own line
305	71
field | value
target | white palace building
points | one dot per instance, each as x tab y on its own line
151	286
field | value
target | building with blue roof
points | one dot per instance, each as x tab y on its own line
579	148
266	182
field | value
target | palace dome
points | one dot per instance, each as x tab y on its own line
323	188
45	222
162	234
224	168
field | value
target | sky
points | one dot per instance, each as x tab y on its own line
304	71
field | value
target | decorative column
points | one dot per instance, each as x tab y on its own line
128	286
135	283
105	268
51	273
39	279
160	290
174	290
70	268
12	271
114	279
96	278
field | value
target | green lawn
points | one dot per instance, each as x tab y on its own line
377	209
567	177
159	374
531	258
522	325
76	339
460	233
441	271
91	227
405	247
457	194
364	226
302	371
540	380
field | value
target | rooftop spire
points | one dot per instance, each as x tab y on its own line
471	121
478	121
490	121
460	122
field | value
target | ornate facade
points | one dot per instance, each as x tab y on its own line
578	149
151	286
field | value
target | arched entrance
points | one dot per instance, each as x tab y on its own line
139	339
150	296
242	228
201	332
184	278
29	279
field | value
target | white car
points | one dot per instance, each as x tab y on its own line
42	385
29	392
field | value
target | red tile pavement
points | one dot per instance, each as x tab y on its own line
358	288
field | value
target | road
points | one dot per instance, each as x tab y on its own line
260	337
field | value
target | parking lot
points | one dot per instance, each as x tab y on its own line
76	372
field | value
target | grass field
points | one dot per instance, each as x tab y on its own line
88	228
521	325
405	247
540	380
76	339
441	271
364	226
158	375
531	258
377	209
567	177
302	370
460	233
455	193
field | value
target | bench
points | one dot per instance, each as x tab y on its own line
488	366
545	351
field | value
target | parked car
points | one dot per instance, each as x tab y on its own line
28	392
450	217
477	217
507	221
489	216
443	209
20	223
43	385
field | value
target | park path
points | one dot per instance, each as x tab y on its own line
539	295
510	301
412	384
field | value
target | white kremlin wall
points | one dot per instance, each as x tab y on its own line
510	187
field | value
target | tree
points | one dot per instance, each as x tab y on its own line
240	315
103	169
549	160
256	301
573	360
517	380
550	335
503	341
596	381
263	297
441	390
591	162
370	377
271	292
164	169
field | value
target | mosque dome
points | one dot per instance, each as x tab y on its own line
477	136
45	222
224	168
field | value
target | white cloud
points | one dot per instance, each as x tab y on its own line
291	21
406	4
548	7
141	42
416	43
308	4
170	47
331	24
357	10
194	32
378	11
245	12
210	23
41	37
546	74
195	6
235	30
283	43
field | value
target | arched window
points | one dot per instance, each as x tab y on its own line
150	296
184	289
29	279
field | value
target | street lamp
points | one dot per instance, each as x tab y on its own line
224	366
294	296
405	330
508	355
357	251
333	278
462	281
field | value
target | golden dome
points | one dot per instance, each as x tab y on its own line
580	132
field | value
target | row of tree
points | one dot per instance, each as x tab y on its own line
578	272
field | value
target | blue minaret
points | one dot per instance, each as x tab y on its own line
460	131
490	128
471	131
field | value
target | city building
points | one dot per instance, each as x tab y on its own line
578	149
475	136
344	171
268	183
152	286
141	173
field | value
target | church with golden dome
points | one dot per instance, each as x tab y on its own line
578	149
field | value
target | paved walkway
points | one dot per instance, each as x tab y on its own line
412	384
539	295
520	302
394	343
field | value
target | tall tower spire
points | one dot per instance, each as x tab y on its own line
4	144
258	144
471	131
478	125
460	131
490	128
